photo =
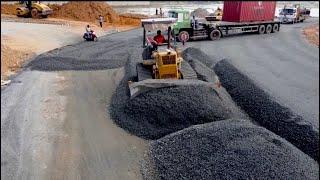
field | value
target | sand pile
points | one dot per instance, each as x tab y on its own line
267	111
9	8
200	13
83	11
90	11
227	149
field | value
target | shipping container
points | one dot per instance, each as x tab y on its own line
248	11
246	20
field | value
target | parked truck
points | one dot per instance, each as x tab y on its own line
293	14
238	17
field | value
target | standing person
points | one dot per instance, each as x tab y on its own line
100	20
193	21
157	11
161	12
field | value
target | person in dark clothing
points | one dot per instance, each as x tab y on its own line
100	20
156	11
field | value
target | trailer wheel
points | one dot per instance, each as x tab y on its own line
183	36
215	34
262	29
275	28
34	13
269	29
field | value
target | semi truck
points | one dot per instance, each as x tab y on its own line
238	17
293	14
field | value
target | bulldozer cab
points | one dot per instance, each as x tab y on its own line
161	59
151	26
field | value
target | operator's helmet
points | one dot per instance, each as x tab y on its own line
88	25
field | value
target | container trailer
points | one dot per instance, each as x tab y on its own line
238	17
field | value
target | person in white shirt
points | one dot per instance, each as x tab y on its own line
88	30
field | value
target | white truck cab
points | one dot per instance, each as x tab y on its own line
293	14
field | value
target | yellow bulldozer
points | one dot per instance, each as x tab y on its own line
33	9
162	64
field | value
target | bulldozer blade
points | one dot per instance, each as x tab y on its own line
137	88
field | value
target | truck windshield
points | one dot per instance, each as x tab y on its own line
287	11
173	14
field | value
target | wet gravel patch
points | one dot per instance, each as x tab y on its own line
267	111
230	149
158	112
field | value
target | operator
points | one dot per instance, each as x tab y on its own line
159	38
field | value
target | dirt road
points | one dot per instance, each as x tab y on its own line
55	124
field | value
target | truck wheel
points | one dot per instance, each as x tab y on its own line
34	13
269	29
215	35
275	28
183	36
262	29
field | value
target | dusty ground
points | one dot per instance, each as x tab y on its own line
312	34
17	46
12	60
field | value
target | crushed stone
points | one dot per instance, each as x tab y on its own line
230	149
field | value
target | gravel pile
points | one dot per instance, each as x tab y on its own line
194	57
158	112
266	111
230	149
67	63
200	13
192	53
104	54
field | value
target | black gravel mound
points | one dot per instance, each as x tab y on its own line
104	54
66	63
156	113
230	149
266	111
